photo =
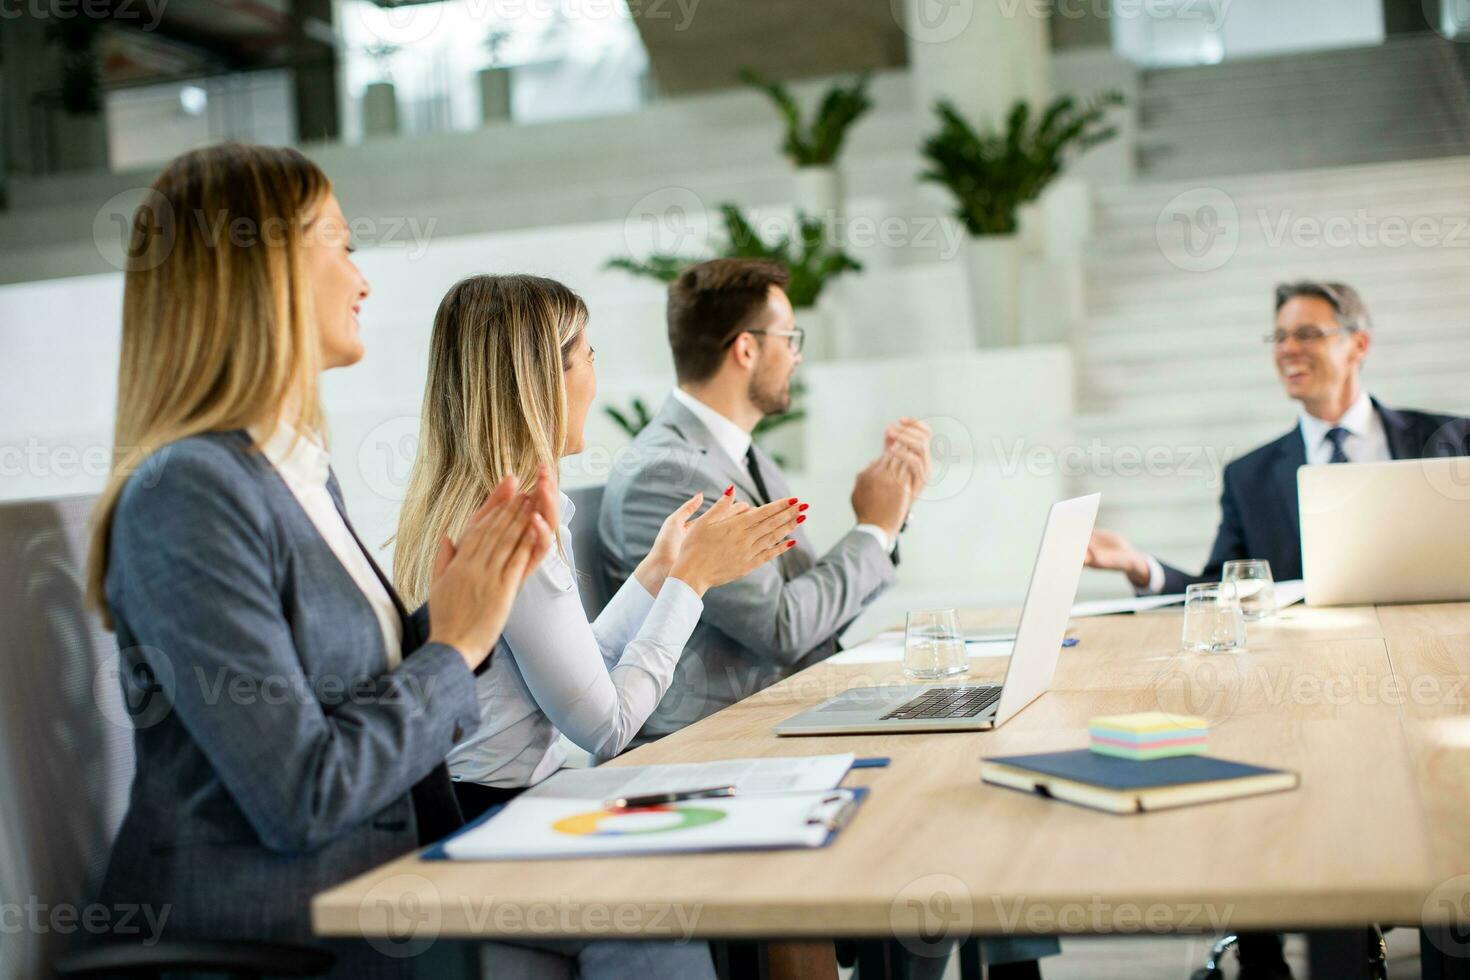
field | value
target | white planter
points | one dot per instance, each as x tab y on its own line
379	110
993	272
1031	228
787	444
494	95
820	344
818	193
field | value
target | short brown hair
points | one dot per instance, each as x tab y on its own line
709	304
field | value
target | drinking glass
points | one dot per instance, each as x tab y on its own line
933	646
1212	619
1254	587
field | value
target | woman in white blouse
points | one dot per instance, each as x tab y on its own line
509	387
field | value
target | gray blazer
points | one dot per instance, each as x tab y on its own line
276	755
782	617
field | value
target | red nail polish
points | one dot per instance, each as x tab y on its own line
791	544
730	490
801	518
791	501
803	507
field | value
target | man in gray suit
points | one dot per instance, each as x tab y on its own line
736	345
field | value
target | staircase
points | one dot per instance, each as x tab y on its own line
1174	378
1403	100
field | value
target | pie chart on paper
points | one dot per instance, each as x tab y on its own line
662	819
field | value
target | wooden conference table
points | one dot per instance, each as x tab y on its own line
1369	704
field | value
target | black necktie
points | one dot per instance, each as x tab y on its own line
1336	435
755	474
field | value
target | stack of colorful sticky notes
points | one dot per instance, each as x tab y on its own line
1148	735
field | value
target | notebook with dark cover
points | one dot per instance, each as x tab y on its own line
1127	786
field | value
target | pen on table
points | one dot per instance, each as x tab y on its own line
654	799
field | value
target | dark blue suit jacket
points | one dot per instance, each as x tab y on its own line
1259	515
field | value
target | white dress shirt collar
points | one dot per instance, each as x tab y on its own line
567	512
305	467
734	440
297	457
1367	440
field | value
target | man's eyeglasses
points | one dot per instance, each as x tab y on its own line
796	338
1302	335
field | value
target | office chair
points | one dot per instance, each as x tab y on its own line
588	550
66	760
1213	968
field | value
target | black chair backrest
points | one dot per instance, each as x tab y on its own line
66	741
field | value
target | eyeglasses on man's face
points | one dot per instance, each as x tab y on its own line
796	337
1306	336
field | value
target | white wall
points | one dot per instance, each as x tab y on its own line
60	345
562	198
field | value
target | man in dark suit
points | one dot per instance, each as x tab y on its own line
1319	344
1321	338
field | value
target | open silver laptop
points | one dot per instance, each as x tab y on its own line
949	707
1386	532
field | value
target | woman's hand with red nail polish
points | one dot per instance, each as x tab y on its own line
727	543
667	545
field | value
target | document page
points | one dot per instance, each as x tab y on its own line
888	648
1288	593
785	774
552	828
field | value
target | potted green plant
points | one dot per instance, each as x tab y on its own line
812	262
380	98
495	80
78	128
992	174
812	147
633	420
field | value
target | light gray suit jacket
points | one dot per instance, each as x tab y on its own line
782	617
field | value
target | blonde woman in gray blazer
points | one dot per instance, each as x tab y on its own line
292	718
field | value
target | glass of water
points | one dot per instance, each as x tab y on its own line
1254	587
933	646
1212	619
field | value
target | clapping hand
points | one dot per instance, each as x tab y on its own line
732	539
476	579
907	441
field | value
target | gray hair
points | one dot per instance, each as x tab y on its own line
1344	300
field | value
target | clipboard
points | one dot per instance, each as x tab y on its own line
518	831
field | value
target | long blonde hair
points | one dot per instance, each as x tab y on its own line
494	403
217	332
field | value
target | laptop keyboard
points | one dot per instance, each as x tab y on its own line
947	702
